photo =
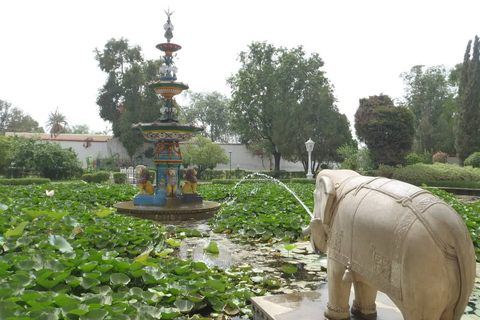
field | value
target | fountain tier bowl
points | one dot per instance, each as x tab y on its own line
168	131
203	210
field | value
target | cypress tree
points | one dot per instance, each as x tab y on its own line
467	132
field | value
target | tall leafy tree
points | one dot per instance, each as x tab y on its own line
56	123
125	99
387	130
268	93
79	129
429	94
203	154
13	119
315	117
209	110
467	133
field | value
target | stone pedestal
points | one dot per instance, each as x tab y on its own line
311	306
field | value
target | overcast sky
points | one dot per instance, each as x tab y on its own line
47	59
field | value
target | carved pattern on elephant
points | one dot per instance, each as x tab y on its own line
362	307
382	265
383	284
337	309
399	236
335	241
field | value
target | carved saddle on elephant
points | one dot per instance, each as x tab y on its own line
369	236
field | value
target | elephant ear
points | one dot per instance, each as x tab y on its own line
324	198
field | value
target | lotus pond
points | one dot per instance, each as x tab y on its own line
70	256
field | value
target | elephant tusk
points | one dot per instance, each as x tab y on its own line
307	231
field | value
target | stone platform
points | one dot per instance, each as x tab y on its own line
203	210
311	306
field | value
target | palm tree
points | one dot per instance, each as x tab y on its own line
57	123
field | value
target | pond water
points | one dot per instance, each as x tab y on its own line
267	259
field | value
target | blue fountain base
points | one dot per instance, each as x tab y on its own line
159	199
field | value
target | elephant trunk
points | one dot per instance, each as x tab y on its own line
307	231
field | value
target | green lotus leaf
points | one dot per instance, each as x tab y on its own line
136	293
289	268
185	306
89	266
195	297
231	309
63	300
173	243
97	314
211	247
17	231
73	281
164	252
183	270
60	242
70	221
199	266
75	309
103	290
23	280
47	284
217	285
169	313
30	295
88	283
104	267
119	279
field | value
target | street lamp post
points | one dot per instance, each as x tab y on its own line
230	163
309	144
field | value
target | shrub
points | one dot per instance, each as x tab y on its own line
24	181
87	177
302	180
101	176
385	171
473	160
413	158
119	177
48	160
251	180
440	157
420	172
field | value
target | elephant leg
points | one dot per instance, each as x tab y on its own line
364	304
338	292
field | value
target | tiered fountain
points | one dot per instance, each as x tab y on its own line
166	201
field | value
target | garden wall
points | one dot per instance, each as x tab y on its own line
105	146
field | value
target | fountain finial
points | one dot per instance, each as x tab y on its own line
168	26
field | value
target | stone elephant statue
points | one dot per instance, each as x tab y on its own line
391	236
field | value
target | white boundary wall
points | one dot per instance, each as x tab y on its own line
106	146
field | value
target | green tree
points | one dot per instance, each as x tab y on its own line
13	119
124	99
467	135
48	160
429	94
387	130
268	93
79	129
209	110
316	117
56	123
203	153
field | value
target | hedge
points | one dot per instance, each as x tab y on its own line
302	180
24	181
119	177
420	173
449	184
97	177
251	180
